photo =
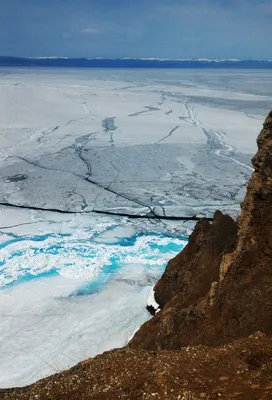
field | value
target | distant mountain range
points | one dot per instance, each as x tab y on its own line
133	63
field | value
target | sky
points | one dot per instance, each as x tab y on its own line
137	28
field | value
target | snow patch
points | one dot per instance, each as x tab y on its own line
151	301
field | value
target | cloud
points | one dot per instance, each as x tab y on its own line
91	31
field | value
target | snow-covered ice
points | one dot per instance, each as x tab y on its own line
151	301
74	142
68	297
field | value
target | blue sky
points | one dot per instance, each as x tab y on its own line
137	28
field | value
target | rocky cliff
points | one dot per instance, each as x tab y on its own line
219	287
212	337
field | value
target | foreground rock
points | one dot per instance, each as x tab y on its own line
212	338
241	370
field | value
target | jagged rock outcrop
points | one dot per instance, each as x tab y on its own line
191	273
212	293
216	292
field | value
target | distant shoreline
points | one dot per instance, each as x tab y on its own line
134	63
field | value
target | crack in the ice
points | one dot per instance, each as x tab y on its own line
155	216
56	144
85	205
38	165
17	225
214	138
149	108
29	131
86	177
132	87
117	214
169	134
117	176
47	132
251	116
89	173
36	208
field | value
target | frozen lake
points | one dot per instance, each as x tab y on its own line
77	143
68	296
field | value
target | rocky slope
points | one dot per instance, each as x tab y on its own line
217	290
241	370
212	337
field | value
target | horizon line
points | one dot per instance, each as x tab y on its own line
203	59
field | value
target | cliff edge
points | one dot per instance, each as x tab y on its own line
219	288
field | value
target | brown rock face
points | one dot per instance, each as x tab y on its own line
219	287
191	273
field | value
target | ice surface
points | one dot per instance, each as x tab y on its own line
171	143
129	140
81	257
84	293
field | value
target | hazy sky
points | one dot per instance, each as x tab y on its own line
137	28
